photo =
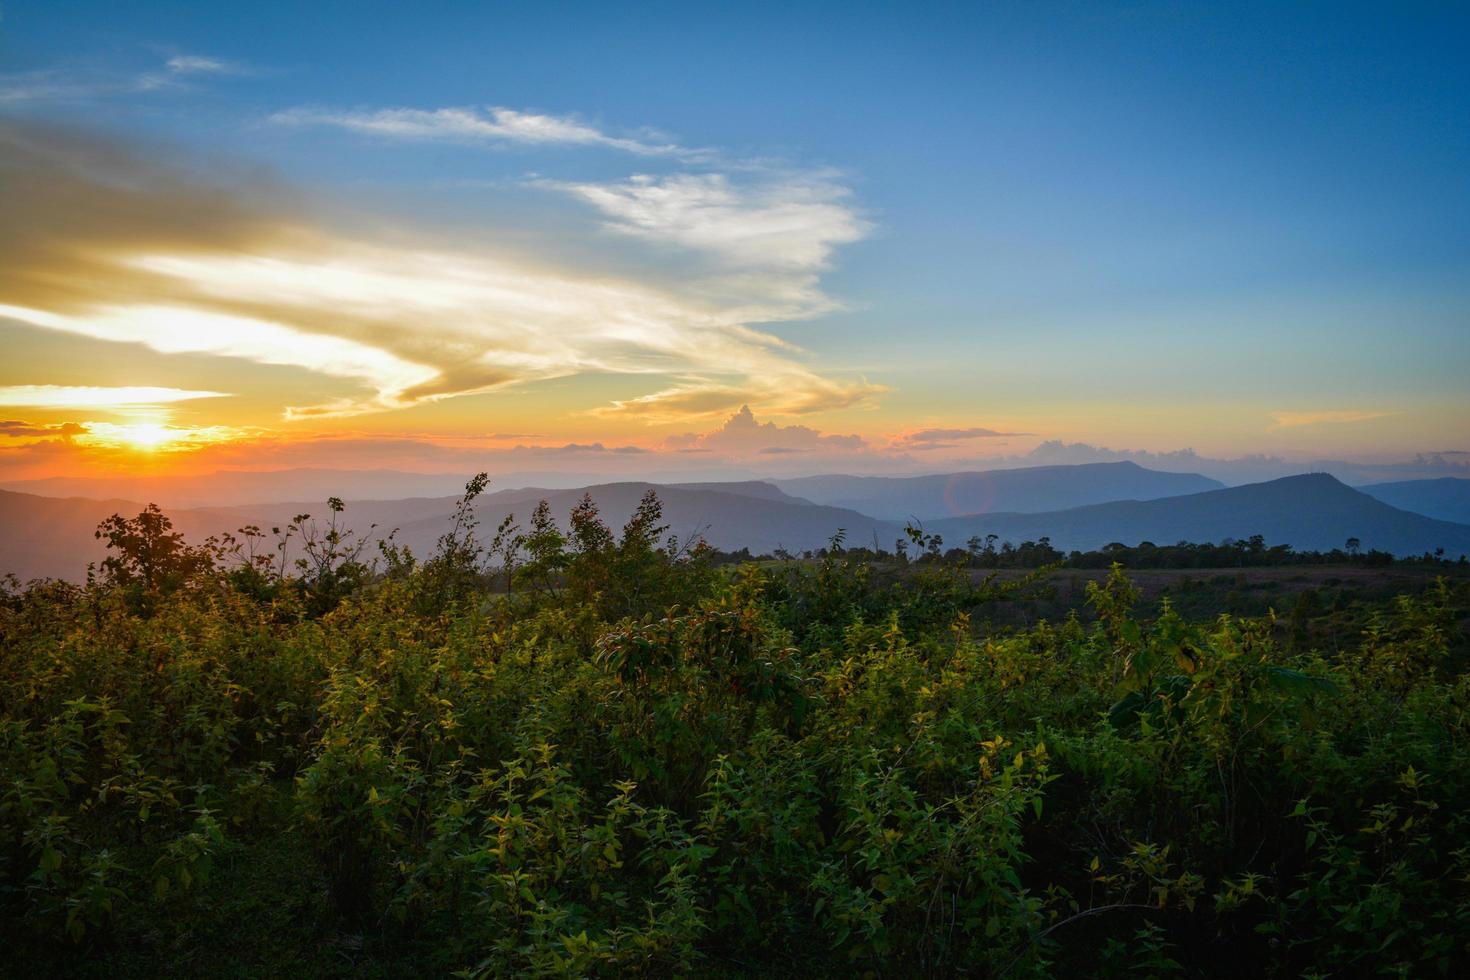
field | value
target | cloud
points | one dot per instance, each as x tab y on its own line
193	64
490	124
16	429
1287	420
72	396
85	84
741	434
99	241
785	390
786	222
946	438
579	448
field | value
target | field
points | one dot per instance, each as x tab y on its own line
599	753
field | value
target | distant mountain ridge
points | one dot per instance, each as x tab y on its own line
1446	498
1027	490
53	537
1312	512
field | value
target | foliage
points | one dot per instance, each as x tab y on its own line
572	751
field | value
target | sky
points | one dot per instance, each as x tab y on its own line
730	238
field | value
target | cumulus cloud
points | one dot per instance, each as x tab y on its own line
742	434
100	242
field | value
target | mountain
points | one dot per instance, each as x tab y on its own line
233	488
53	537
1309	512
1024	491
1445	499
763	489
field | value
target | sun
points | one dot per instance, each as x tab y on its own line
146	436
150	436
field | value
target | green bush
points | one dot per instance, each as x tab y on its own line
605	756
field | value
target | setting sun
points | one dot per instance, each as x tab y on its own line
146	435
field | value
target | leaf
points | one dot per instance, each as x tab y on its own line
1298	684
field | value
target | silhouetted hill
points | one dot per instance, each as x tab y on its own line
1445	499
1309	512
763	489
53	537
1024	491
236	488
751	519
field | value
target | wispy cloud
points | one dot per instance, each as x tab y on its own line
194	64
945	438
785	222
782	388
1288	420
77	84
69	396
155	257
760	245
490	124
577	449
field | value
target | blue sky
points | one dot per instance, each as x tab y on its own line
1145	224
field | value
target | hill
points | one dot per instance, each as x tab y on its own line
1445	499
236	488
1024	491
1310	512
53	537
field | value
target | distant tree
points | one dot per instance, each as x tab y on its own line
1353	544
545	548
146	551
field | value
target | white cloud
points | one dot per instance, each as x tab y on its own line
495	124
193	64
788	223
85	84
86	396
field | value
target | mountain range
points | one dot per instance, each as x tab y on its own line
1446	498
1311	512
1031	490
43	536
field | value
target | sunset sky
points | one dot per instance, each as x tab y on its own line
445	237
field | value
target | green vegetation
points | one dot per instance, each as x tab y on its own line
990	552
599	753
